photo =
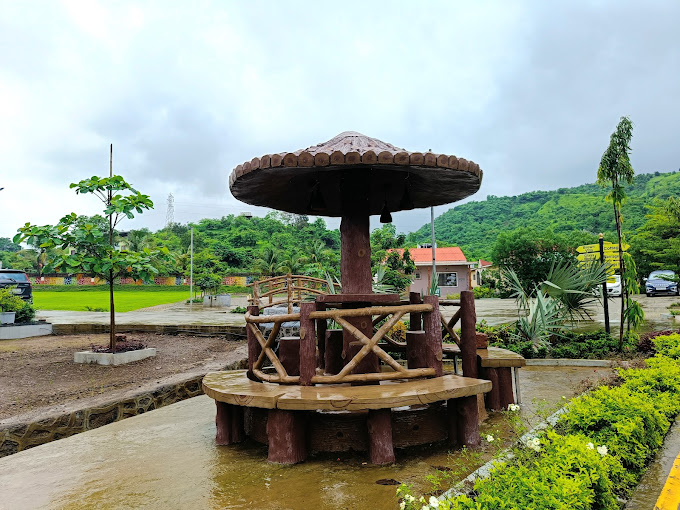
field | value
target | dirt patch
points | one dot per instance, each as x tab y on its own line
38	374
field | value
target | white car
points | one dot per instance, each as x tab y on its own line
614	288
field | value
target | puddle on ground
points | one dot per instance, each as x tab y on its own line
168	459
646	494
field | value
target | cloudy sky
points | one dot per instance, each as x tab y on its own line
185	91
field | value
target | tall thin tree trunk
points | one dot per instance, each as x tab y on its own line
112	338
622	268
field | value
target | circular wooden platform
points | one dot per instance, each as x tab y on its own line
236	389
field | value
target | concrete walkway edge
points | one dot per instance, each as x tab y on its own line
670	494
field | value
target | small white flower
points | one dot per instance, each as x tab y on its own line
534	443
434	502
602	450
590	446
513	407
409	498
402	505
489	438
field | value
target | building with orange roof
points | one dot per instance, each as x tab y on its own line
454	272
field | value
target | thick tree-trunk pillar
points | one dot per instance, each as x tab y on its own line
286	431
254	347
463	420
380	448
356	278
289	354
307	344
229	422
416	319
355	255
433	335
468	334
505	387
333	353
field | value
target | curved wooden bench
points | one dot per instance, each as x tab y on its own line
491	357
288	409
499	366
236	389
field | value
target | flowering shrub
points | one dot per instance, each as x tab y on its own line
398	332
595	454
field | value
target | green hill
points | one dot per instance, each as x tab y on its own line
474	226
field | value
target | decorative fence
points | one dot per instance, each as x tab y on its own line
288	289
83	279
308	316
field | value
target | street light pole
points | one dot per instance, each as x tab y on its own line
191	273
434	263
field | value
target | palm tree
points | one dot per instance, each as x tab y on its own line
566	295
268	263
292	263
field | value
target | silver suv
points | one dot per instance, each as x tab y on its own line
19	280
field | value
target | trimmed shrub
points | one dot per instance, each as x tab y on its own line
596	453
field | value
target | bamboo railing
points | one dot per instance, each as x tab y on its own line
295	287
370	345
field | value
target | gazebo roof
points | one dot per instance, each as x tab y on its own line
353	174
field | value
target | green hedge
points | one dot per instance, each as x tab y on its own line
595	454
594	345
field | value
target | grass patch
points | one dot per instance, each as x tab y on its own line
98	299
39	289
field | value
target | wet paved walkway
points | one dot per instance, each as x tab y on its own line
167	459
493	311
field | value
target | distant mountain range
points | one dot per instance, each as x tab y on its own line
474	226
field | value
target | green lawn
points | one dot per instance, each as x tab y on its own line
99	299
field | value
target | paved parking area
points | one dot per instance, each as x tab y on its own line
493	311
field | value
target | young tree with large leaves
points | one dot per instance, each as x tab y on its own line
87	247
615	170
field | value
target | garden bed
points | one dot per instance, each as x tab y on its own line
38	374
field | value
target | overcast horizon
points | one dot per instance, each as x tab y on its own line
531	91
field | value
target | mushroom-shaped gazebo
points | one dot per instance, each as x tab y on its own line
337	390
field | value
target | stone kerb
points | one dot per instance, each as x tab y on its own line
25	331
118	358
17	435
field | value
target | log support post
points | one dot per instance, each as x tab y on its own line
463	421
286	431
505	387
307	344
468	334
433	336
333	352
493	397
229	422
416	318
289	354
380	448
321	326
254	347
415	349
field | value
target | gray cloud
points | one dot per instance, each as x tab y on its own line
529	90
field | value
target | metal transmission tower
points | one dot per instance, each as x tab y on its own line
170	214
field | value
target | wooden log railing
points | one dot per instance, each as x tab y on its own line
296	288
340	316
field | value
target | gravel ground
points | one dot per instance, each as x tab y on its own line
38	374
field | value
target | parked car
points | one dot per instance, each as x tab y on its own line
614	288
661	282
18	279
